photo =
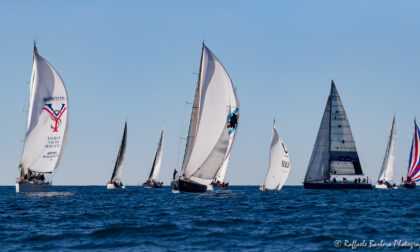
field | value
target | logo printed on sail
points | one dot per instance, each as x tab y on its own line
55	115
232	121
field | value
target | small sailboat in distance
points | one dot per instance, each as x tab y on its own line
413	173
115	181
154	173
279	166
47	127
214	118
334	151
387	170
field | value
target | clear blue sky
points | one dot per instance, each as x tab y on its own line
138	59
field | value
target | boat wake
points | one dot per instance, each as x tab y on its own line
49	194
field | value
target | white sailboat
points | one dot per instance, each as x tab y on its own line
47	127
334	152
214	120
279	166
387	170
154	173
115	181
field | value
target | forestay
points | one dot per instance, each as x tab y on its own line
47	125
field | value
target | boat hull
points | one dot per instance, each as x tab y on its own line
152	185
111	186
336	186
182	185
24	187
408	186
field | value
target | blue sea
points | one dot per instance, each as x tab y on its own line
241	218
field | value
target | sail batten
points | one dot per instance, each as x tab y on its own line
119	163
47	124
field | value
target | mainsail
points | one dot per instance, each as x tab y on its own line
116	174
387	170
154	173
414	162
47	126
334	151
214	119
279	166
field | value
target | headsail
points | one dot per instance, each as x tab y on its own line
319	164
217	119
414	162
279	166
387	170
334	150
47	126
116	174
154	173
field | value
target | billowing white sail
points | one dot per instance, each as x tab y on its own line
214	119
154	173
334	151
387	170
116	174
279	166
47	126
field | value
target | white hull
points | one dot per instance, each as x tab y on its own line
24	187
384	186
112	187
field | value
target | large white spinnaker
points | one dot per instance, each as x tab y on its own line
47	126
387	170
217	113
154	173
279	166
119	163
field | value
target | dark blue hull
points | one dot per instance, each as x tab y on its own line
408	185
336	186
188	186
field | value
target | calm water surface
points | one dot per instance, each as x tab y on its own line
240	218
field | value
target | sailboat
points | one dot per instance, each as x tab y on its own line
387	170
279	166
154	173
214	120
334	151
413	173
115	181
46	129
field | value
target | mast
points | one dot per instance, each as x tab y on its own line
192	131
